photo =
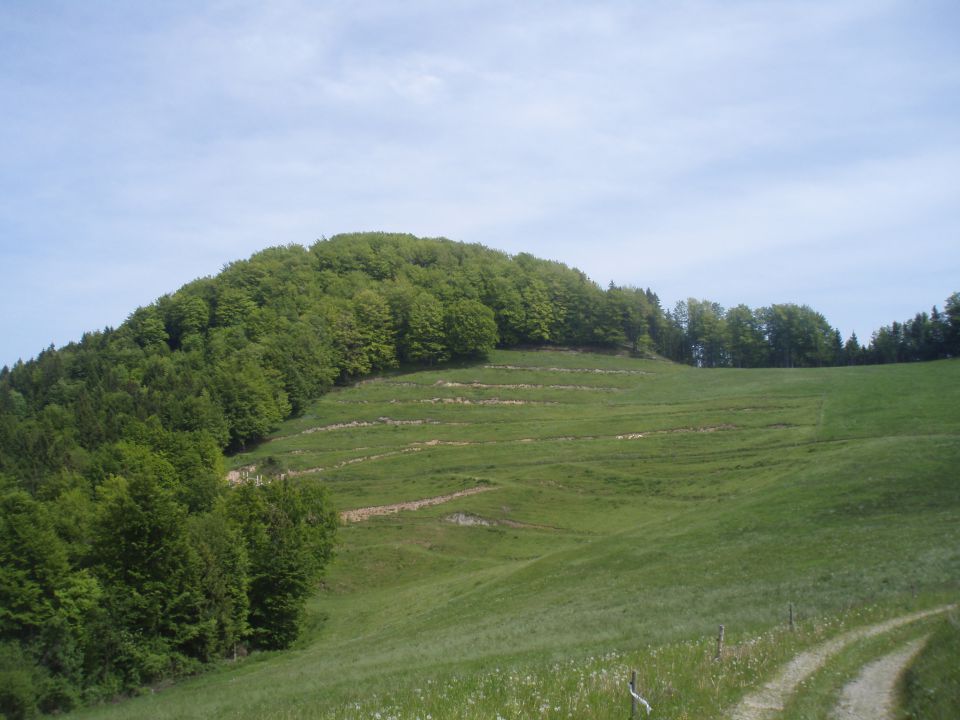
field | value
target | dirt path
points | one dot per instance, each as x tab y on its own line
361	514
771	698
872	695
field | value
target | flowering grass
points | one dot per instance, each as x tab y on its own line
682	680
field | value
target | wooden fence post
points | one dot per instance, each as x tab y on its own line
633	690
719	643
791	617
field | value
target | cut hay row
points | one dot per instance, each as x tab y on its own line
589	371
366	513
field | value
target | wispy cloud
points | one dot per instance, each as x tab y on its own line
728	149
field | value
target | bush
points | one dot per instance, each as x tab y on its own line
18	683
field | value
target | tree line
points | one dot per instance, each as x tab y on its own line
126	558
703	333
923	337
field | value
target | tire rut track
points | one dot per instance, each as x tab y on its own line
773	696
872	696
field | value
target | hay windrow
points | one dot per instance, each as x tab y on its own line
590	371
361	514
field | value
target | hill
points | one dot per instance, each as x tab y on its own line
129	558
126	559
628	507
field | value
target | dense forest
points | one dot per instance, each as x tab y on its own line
702	333
125	556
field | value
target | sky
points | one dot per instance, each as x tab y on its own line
733	150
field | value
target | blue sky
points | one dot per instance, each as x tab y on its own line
753	152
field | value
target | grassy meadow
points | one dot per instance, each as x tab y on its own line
632	507
931	687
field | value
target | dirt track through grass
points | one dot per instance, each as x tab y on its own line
771	698
872	695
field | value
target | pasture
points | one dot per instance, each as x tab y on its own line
625	508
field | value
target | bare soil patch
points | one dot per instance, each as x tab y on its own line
676	431
594	371
521	386
367	423
240	474
435	443
487	401
471	520
361	514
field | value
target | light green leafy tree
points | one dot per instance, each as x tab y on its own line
471	329
745	342
425	339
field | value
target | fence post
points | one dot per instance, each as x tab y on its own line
635	698
719	643
791	617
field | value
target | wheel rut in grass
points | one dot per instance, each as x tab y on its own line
769	701
872	696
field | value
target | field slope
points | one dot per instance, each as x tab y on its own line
615	505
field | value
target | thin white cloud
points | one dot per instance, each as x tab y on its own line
669	144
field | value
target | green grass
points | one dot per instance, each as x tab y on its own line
931	686
633	511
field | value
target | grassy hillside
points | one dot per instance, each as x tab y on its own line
631	505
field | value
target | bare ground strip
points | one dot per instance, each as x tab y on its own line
872	696
360	514
770	700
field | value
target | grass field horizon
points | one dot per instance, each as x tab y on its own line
633	505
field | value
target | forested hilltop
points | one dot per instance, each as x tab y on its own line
125	558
